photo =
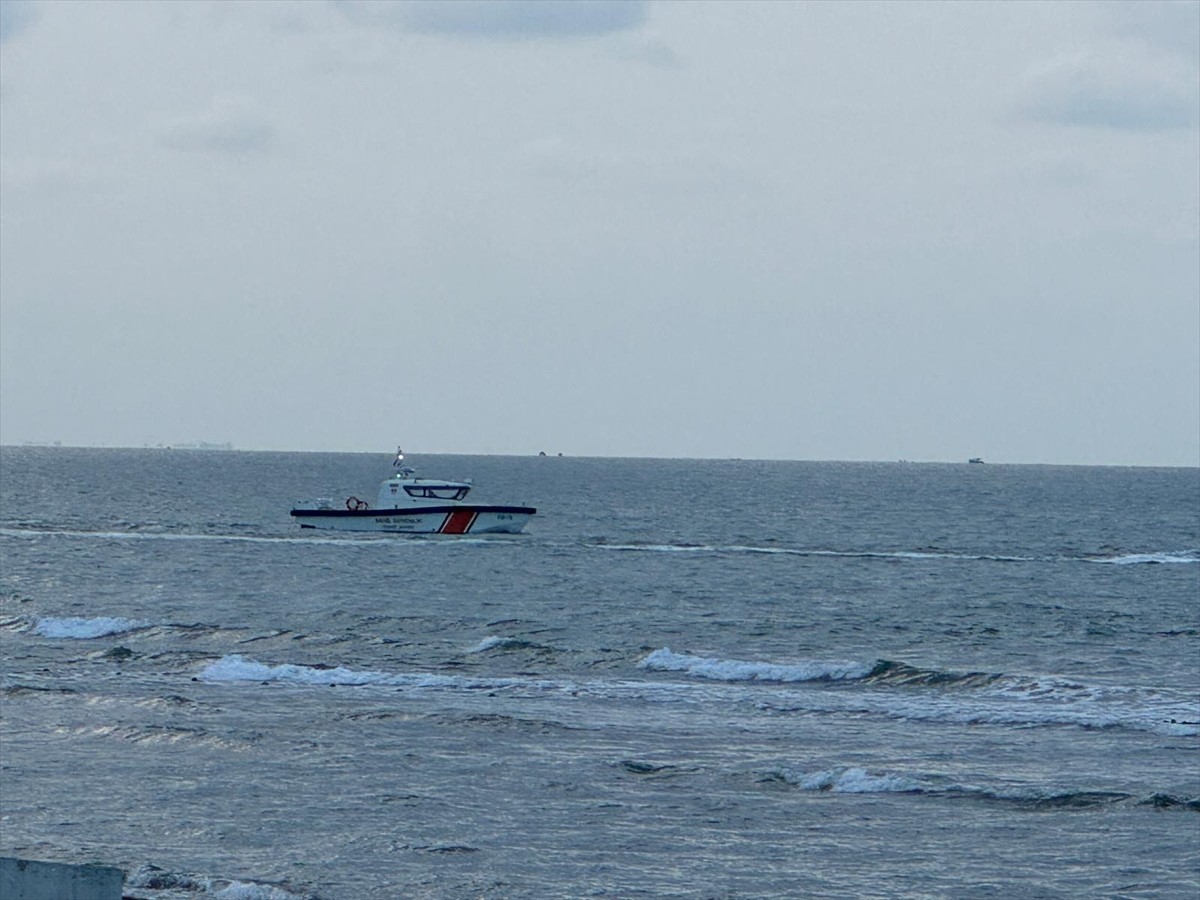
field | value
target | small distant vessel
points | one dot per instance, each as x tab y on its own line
410	505
977	460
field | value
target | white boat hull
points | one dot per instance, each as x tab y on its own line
465	519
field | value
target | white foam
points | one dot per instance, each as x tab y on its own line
799	689
489	643
237	668
660	548
240	890
1168	557
1133	559
881	554
151	877
664	660
798	551
85	629
852	781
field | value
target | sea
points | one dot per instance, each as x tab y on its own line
688	679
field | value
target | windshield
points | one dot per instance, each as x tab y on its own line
437	493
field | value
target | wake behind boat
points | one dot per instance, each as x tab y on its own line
410	505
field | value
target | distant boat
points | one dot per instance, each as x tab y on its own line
978	460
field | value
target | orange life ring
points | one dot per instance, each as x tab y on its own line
353	503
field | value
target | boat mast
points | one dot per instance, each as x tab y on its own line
402	471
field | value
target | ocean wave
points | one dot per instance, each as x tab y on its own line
808	688
153	878
660	548
236	668
851	780
360	539
653	770
1164	558
495	642
808	552
499	721
169	735
1175	717
877	672
919	554
903	691
1170	801
897	673
665	660
87	628
856	780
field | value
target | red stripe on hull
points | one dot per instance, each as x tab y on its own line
458	522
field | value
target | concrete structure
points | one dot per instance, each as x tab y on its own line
28	879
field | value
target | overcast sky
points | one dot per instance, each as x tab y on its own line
861	231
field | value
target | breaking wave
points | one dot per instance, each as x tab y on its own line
665	660
835	688
878	672
87	628
236	668
851	780
899	690
495	642
153	878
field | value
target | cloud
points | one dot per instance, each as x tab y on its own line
230	124
504	19
1170	25
15	17
1125	85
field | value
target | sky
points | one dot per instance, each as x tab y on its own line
779	230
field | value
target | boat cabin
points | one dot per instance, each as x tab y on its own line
404	489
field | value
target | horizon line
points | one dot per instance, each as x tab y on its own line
227	447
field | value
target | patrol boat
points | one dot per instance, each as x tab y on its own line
410	505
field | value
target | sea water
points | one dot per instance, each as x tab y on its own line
722	678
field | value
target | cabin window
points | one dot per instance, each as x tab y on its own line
437	493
